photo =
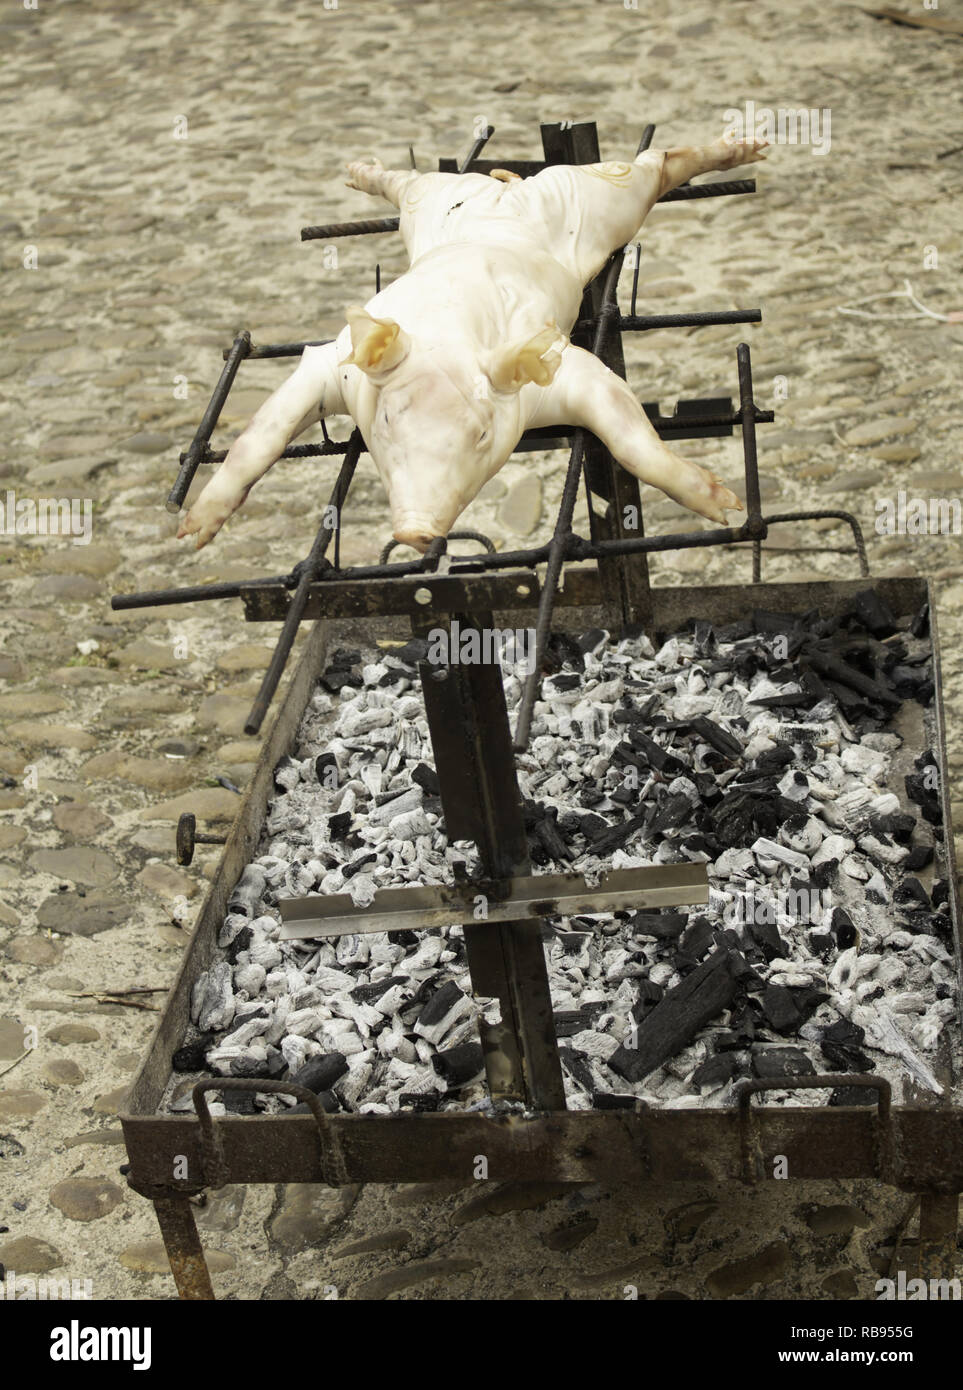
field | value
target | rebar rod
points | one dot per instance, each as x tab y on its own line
309	569
205	429
608	311
281	349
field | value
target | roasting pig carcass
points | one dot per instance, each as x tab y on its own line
444	369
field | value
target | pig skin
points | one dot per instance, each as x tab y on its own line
444	369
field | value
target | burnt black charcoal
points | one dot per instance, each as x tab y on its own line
320	1073
780	1010
921	788
339	825
356	865
911	891
822	944
655	755
898	826
735	632
240	943
562	650
422	1104
673	812
853	1095
676	1020
577	1065
873	613
665	925
395	674
568	680
330	1104
716	1070
775	759
192	1056
590	794
697	938
412	652
611	1100
770	1063
843	928
767	938
845	1058
459	1065
920	626
440	1004
568	1022
617	835
367	994
403	938
336	678
427	778
648	996
592	640
321	764
920	857
941	892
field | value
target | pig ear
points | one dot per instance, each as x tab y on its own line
378	344
514	366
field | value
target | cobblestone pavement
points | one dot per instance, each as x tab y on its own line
166	159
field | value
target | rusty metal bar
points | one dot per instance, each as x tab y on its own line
209	419
309	571
183	1246
939	1220
281	349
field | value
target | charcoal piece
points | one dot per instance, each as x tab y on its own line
421	1102
771	1063
767	938
822	944
356	865
664	925
676	1020
330	1104
339	825
896	824
368	994
835	670
577	1065
426	778
439	1006
941	892
807	999
322	763
592	640
697	938
702	844
921	788
253	1067
593	826
457	1066
562	650
638	714
395	674
192	1056
403	938
570	824
873	613
611	1100
547	835
843	928
616	836
414	651
773	760
735	632
336	678
716	1070
920	857
842	1057
568	1022
566	680
920	626
649	994
911	891
590	794
624	796
780	1010
572	942
320	1073
740	967
673	812
853	1095
240	943
846	1032
655	755
703	637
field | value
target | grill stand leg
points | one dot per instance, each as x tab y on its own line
939	1217
183	1246
472	743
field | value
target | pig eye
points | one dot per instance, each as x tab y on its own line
483	436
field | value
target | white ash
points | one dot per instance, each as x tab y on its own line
279	1004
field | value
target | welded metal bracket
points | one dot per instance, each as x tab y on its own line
519	899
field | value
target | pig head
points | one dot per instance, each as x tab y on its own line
440	414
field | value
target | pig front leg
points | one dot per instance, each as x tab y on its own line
585	392
372	177
312	392
684	162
